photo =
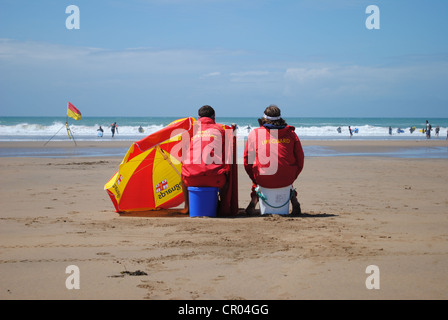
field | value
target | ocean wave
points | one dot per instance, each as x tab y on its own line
57	130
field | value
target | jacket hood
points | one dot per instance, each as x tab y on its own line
280	128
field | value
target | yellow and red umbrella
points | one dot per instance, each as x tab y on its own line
149	178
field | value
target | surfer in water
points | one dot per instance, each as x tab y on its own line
100	131
113	127
428	130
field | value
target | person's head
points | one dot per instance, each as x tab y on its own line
206	111
272	115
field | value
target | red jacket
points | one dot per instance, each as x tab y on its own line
206	154
273	158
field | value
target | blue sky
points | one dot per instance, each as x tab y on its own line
169	57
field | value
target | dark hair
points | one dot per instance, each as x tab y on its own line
206	111
272	111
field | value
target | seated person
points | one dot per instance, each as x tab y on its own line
273	156
203	162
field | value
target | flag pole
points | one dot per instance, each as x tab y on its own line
69	132
74	113
53	136
165	157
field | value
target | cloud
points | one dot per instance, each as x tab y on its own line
131	60
255	77
109	79
304	75
212	74
13	51
250	73
333	80
186	77
59	65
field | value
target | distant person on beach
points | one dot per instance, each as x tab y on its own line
350	130
339	129
437	131
428	130
199	169
113	128
100	131
258	155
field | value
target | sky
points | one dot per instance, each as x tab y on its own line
312	58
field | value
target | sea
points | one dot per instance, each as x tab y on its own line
44	129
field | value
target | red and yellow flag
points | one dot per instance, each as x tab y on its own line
72	112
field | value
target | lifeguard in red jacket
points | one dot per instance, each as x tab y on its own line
203	161
273	156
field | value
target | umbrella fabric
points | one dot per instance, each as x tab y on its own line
148	178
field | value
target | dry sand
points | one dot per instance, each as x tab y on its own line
358	211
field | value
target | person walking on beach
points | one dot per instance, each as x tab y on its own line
350	130
428	130
437	131
288	154
203	163
113	127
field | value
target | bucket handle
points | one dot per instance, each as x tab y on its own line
263	197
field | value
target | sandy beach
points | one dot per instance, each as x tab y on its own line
357	211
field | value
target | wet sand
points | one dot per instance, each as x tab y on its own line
357	211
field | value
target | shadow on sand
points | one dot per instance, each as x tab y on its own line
176	213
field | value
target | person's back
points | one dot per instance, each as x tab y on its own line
203	160
273	156
205	156
270	144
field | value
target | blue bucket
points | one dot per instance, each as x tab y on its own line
203	201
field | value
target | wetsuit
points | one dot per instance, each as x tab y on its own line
113	128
